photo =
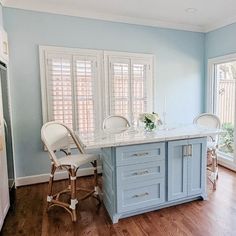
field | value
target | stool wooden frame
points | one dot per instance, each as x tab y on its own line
57	137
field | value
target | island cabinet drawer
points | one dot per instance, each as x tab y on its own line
141	195
140	172
139	153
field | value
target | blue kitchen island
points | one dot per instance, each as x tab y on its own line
147	171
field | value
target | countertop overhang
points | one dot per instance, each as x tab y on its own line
134	136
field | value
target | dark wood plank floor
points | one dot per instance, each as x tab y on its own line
216	216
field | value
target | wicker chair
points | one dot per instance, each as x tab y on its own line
115	123
211	121
57	137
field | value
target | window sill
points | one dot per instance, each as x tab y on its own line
226	161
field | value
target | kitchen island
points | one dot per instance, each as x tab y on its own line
146	171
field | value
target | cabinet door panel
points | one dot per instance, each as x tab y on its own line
177	170
196	167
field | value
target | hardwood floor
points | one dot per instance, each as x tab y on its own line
216	216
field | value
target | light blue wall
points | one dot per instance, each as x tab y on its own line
179	69
221	42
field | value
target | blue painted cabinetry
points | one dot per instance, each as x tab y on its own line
140	178
186	168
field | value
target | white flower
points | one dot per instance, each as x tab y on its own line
153	117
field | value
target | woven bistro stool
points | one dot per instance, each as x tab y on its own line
58	137
210	121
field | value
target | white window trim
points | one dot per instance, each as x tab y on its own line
224	159
102	74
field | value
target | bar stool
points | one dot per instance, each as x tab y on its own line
115	123
56	137
210	121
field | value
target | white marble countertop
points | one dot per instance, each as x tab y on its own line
139	136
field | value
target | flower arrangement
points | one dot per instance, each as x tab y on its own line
151	120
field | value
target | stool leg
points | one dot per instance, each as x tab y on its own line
73	194
49	197
214	172
214	169
97	191
95	173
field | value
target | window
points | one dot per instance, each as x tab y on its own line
80	90
222	101
129	78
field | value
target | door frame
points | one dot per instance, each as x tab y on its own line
224	160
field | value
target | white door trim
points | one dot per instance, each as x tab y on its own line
211	86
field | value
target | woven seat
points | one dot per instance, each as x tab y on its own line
77	160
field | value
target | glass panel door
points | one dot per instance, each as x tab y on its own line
224	104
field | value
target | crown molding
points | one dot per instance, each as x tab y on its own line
65	10
62	10
219	24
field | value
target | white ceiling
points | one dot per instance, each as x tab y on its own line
210	14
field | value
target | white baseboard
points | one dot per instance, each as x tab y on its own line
36	179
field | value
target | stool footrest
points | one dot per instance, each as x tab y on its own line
73	203
56	200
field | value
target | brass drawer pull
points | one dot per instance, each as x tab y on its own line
190	150
141	172
140	195
187	150
140	154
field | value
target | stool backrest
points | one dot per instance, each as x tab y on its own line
208	120
115	122
57	136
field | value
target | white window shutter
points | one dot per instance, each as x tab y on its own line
72	91
130	85
120	87
59	89
139	88
85	89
